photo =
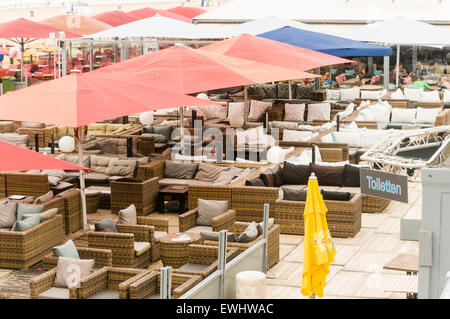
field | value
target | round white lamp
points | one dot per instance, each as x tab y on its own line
146	118
237	121
250	285
66	144
202	96
275	155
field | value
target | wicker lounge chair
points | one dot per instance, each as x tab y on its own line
187	222
102	257
44	284
20	250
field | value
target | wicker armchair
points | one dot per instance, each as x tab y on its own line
20	250
143	195
188	220
122	243
109	283
102	258
148	286
72	210
45	281
273	248
343	217
26	184
203	260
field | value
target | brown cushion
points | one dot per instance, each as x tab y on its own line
328	195
99	164
328	175
44	198
208	172
351	176
272	177
295	174
96	177
179	170
128	215
255	182
119	167
107	147
71	270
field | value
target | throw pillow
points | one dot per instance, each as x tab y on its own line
294	194
208	209
48	214
235	108
333	94
296	136
128	215
209	235
432	96
249	234
69	271
328	195
319	111
294	112
22	225
68	250
44	198
295	174
272	177
328	175
351	176
225	177
403	115
28	209
163	130
260	225
255	182
106	225
208	172
180	170
427	116
8	210
118	167
257	109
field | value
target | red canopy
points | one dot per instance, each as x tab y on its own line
115	17
188	12
15	158
263	50
185	70
150	12
23	28
80	99
76	23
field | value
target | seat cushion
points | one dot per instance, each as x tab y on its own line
54	293
208	209
193	267
106	294
158	234
140	247
94	177
199	229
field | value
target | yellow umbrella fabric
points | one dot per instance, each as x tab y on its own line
319	249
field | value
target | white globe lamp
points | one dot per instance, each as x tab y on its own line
237	121
146	118
202	96
275	155
66	144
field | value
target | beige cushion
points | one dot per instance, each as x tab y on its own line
140	247
319	111
249	234
33	124
55	293
96	177
257	109
15	139
74	159
48	214
121	167
97	128
294	112
259	226
235	108
199	229
180	170
128	215
194	267
8	211
72	270
225	177
208	172
158	234
178	181
208	209
44	198
100	164
54	180
106	294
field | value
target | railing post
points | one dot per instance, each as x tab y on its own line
265	235
222	261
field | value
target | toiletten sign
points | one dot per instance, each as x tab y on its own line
384	185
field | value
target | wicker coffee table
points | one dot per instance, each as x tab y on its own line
175	253
179	192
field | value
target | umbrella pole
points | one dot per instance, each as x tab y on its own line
246	109
82	184
22	50
182	129
398	66
290	90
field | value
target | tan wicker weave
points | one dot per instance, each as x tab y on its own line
273	247
248	202
26	184
188	220
20	250
343	217
156	224
175	253
143	195
102	258
209	192
43	133
2	185
155	168
72	211
371	204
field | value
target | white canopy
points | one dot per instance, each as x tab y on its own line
156	27
263	25
400	31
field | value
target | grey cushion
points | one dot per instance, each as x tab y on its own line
74	159
55	293
8	210
69	271
158	138
208	172
163	130
208	209
140	247
194	267
67	250
215	236
106	294
44	198
27	223
28	209
158	234
96	177
249	234
199	229
48	214
259	226
180	170
106	225
128	215
294	194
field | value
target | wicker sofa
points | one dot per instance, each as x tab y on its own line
122	244
20	250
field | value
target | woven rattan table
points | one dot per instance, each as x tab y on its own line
105	195
175	253
92	200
